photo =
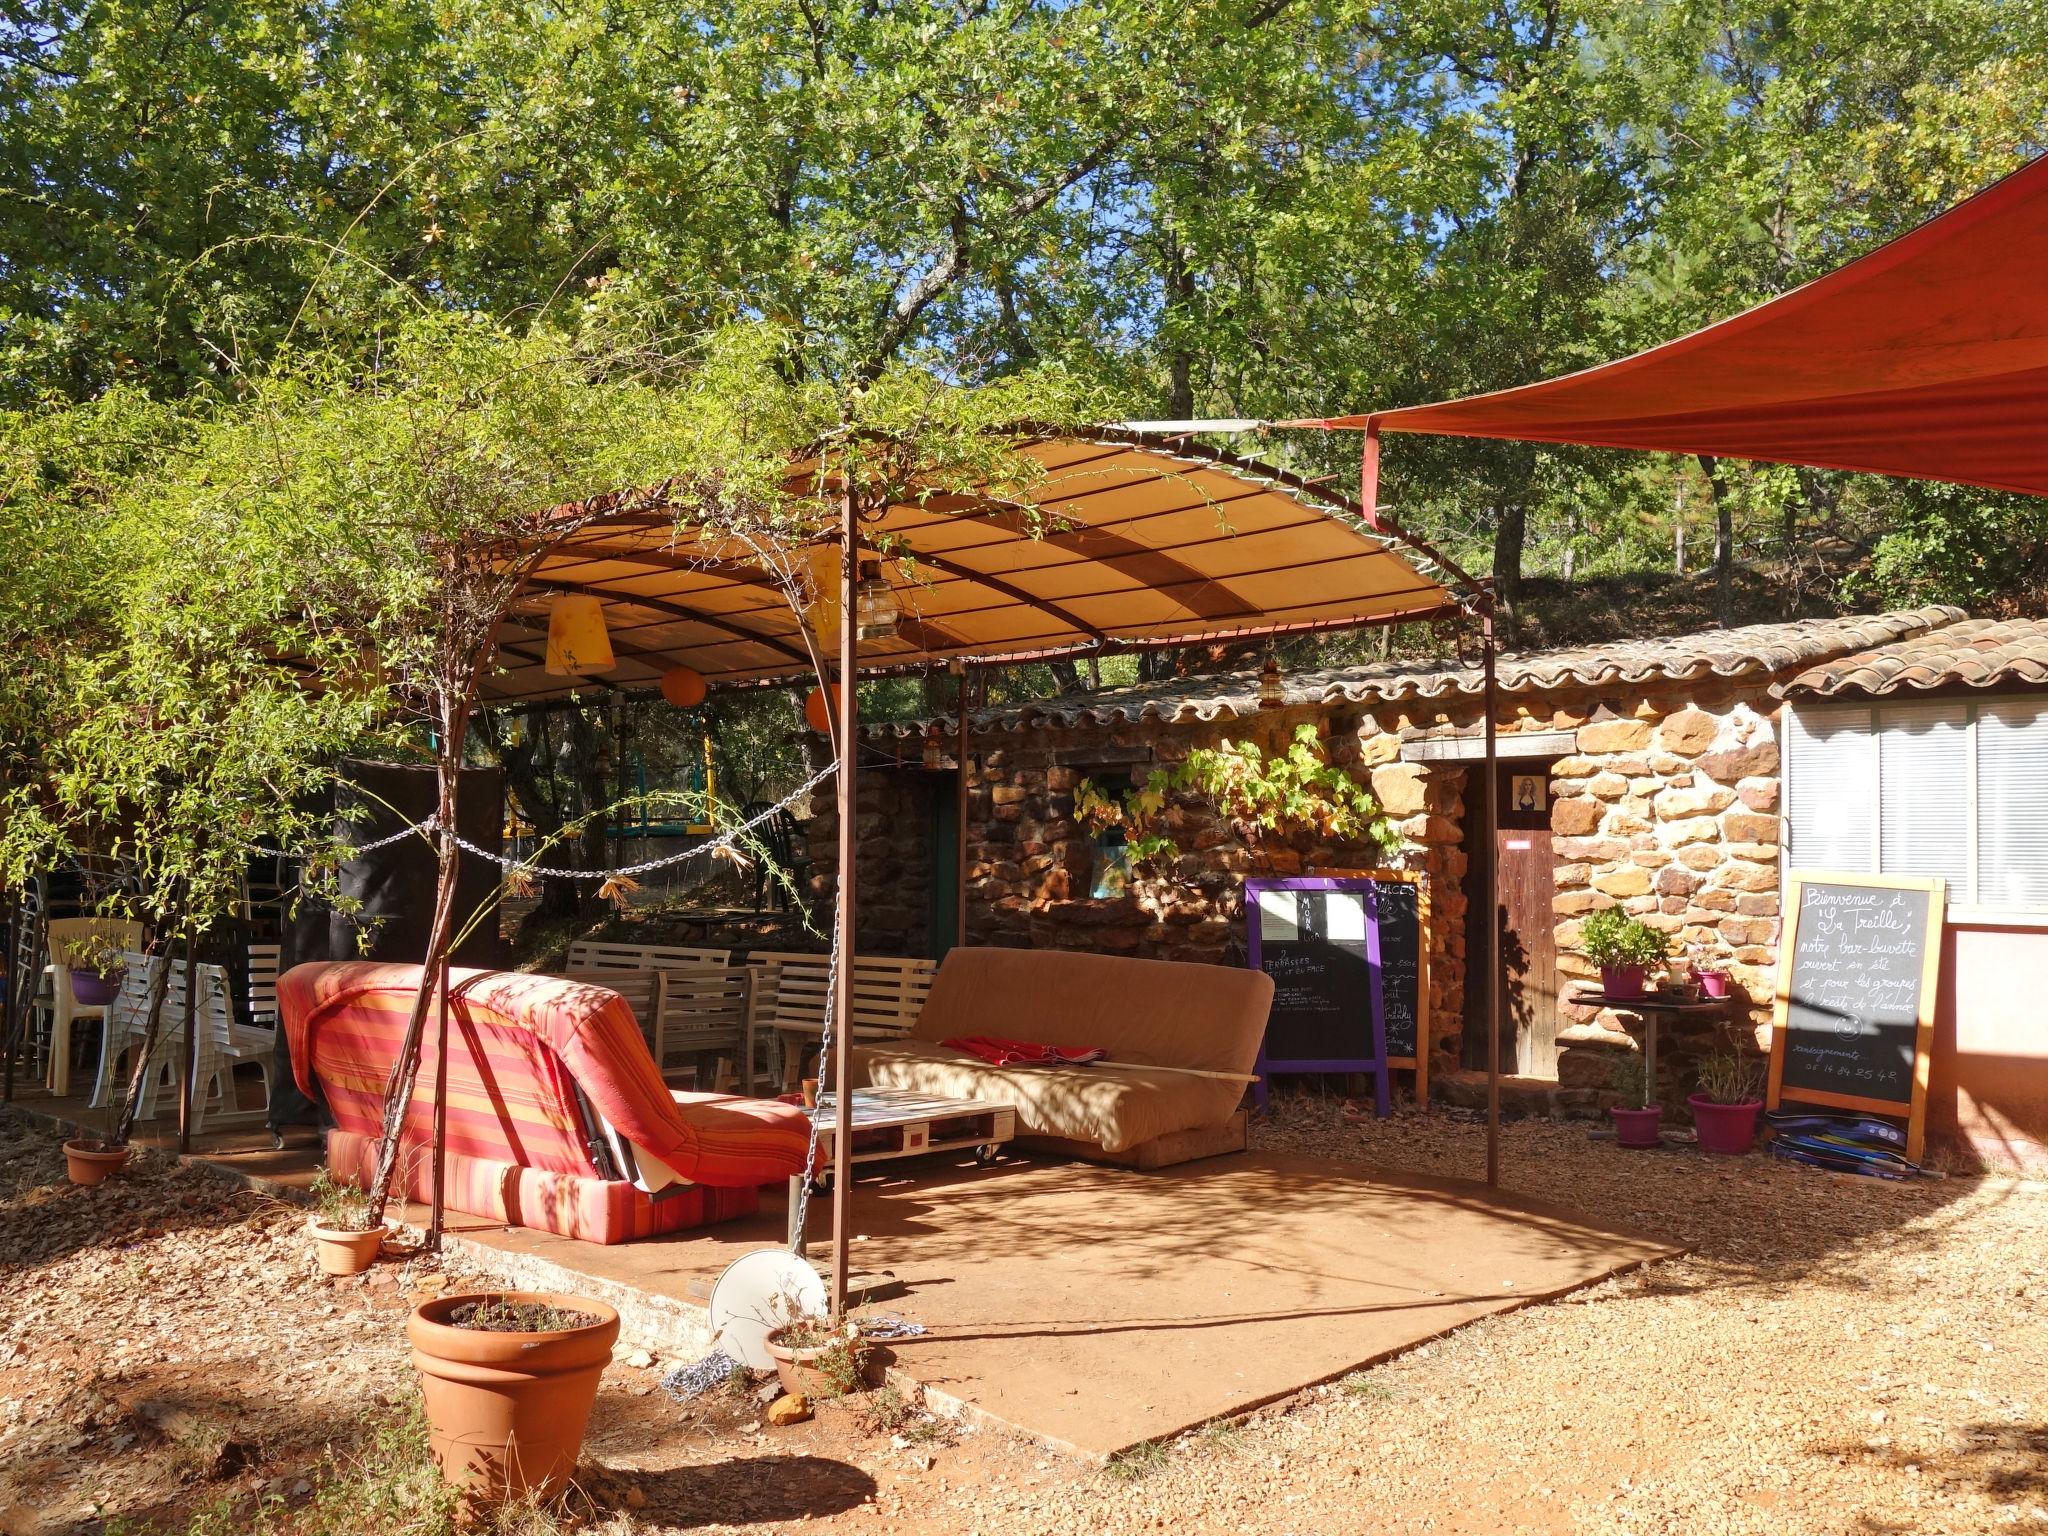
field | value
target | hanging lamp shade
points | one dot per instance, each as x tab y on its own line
683	687
823	613
819	708
578	643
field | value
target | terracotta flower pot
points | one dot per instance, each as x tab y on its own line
797	1369
1622	981
506	1411
1713	983
1636	1127
89	1163
343	1252
1725	1128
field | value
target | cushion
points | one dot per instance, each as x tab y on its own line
1116	1108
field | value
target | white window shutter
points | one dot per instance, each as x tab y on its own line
1831	789
1923	752
2012	802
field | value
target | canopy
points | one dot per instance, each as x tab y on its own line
1129	541
1928	358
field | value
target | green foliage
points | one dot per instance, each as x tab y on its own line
1294	791
1610	938
1731	1076
342	1204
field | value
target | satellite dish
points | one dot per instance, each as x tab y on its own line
759	1292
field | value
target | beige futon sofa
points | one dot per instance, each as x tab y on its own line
1153	1013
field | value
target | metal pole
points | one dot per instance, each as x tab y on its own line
16	974
191	1067
843	936
440	1113
960	819
1489	793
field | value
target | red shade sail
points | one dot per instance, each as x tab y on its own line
1927	358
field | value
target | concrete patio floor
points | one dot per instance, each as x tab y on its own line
1096	1308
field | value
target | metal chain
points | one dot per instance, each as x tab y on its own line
722	841
800	1227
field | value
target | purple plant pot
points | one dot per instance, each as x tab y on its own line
95	989
1713	983
1636	1127
1622	981
1724	1128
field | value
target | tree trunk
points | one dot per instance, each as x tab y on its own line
1179	281
1724	540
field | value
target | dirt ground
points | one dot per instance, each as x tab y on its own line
1834	1356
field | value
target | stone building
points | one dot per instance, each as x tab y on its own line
1645	774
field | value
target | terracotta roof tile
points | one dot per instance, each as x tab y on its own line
1756	650
1972	653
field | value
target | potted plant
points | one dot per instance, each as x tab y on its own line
1724	1110
1635	1119
96	969
1624	948
345	1240
93	1160
1707	971
814	1359
509	1379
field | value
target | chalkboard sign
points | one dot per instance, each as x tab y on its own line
1401	965
1857	968
1318	937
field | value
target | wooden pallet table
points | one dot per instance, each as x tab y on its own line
891	1123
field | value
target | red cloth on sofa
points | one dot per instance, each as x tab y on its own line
519	1049
1025	1053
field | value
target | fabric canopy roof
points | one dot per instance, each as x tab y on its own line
1128	541
1926	358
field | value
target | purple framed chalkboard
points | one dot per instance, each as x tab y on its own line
1318	937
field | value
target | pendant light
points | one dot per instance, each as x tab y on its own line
1271	694
876	608
578	642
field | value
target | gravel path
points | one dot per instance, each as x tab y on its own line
1833	1356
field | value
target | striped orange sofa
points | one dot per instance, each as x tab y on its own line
557	1118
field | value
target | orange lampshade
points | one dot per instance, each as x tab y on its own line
819	709
578	643
683	687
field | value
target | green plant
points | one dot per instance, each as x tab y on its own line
1139	1462
342	1204
501	1314
1292	790
1727	1076
1631	1080
1610	938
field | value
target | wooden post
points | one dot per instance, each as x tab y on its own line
843	934
960	818
440	1107
1489	793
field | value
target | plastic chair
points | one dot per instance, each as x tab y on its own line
67	938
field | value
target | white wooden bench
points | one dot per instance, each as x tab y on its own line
789	995
604	955
691	1004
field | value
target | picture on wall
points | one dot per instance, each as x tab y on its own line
1529	792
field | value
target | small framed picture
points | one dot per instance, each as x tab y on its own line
1529	792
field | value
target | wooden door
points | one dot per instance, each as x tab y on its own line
1526	918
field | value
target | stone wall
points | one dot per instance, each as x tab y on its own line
1669	810
892	830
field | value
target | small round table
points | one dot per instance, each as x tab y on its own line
1653	1008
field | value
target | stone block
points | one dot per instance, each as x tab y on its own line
1649	858
1707	800
1759	794
1700	829
1604	786
1700	856
1377	749
1614	736
1401	788
1715	901
1599	850
1754	853
1577	767
1750	827
1585	1067
1757	904
1009	794
1576	815
1688	733
1741	931
1747	877
1572	903
1626	881
1732	763
1675	881
1568	875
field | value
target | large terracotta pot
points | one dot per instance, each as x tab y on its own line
343	1252
1727	1128
506	1411
89	1163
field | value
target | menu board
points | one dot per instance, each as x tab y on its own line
1400	918
1858	965
1318	937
